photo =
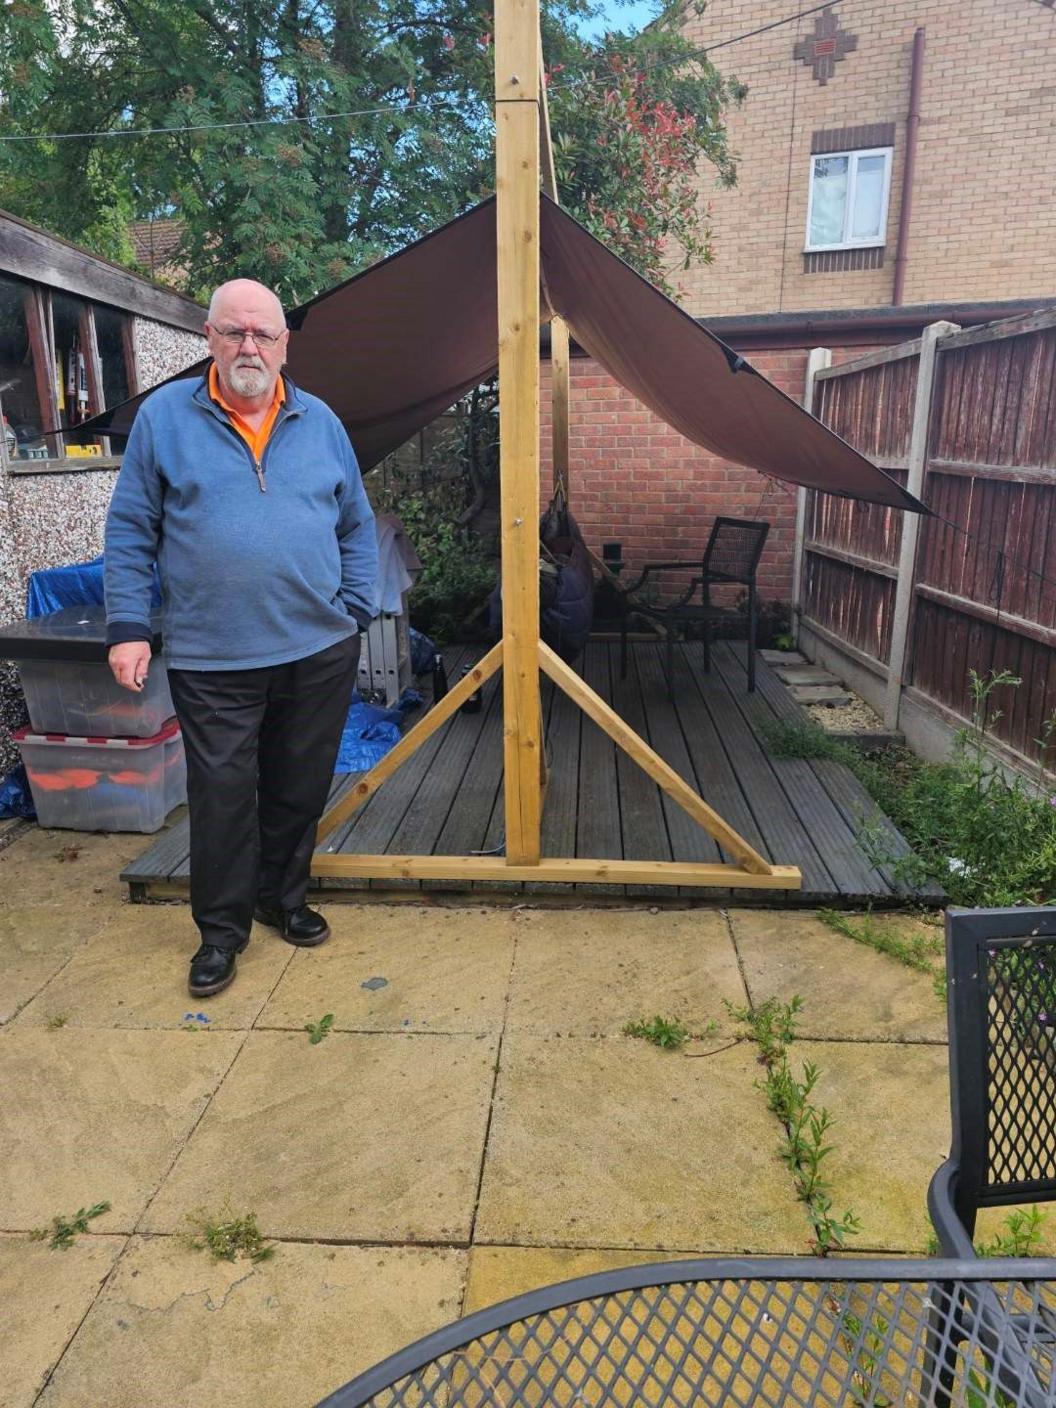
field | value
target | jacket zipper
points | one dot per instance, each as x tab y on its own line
258	465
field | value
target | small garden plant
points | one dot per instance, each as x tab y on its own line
317	1031
665	1032
773	1025
227	1237
62	1233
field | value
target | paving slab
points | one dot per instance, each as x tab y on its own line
175	1328
891	1130
590	973
819	694
783	657
97	1116
45	1295
497	1273
35	942
393	968
848	989
66	867
805	674
363	1138
614	1143
133	973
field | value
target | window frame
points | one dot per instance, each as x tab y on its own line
42	341
853	155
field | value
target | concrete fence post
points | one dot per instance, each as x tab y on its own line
917	461
817	358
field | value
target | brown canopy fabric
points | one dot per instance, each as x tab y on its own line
395	346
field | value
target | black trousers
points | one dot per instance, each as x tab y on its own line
261	746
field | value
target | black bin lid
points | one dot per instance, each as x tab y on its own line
76	633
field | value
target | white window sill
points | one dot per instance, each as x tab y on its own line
837	248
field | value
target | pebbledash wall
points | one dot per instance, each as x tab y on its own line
53	511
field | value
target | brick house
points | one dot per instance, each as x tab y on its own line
807	244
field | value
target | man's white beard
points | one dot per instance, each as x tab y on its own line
249	381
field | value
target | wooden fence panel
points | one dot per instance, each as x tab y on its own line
984	587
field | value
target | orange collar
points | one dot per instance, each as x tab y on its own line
255	439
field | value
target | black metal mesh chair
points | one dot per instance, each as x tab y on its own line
1001	983
730	558
758	1333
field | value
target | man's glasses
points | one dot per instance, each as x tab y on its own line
234	337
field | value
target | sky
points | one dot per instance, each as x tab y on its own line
629	18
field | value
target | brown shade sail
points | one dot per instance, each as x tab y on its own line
397	345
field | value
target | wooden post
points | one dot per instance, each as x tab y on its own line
818	357
907	553
559	375
517	166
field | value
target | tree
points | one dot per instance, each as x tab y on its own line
386	131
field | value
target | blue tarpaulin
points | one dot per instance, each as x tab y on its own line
80	584
370	732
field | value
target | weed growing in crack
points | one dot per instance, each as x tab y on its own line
667	1032
226	1237
61	1234
773	1026
318	1030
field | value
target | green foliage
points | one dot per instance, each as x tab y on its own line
391	130
665	1032
1021	1235
317	1031
918	951
56	1020
773	1026
457	573
63	1230
987	839
226	1237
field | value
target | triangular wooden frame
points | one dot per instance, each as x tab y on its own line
524	159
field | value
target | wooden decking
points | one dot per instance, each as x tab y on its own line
447	799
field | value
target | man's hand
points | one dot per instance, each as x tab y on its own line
130	663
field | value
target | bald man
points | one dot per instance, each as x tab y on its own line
246	492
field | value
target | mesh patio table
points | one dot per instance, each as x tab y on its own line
879	1333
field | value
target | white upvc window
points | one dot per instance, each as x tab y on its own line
847	208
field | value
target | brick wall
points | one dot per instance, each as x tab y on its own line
983	219
635	480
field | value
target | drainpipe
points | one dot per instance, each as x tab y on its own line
912	123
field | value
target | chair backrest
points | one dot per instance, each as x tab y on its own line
1001	975
734	549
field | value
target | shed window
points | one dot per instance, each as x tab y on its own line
848	199
19	401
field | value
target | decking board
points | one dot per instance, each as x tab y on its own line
448	798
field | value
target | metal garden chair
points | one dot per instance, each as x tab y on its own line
731	557
1001	986
1001	983
796	1332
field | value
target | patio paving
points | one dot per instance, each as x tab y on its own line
475	1125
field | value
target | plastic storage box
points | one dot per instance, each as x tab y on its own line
62	659
105	784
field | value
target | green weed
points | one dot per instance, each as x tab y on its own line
318	1030
56	1020
773	1026
226	1237
666	1032
63	1230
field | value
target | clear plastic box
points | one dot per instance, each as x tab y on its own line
105	784
81	697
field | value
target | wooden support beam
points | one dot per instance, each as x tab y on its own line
662	773
517	170
367	785
575	871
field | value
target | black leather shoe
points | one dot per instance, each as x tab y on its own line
303	926
213	969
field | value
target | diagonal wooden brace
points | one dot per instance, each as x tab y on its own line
410	743
662	773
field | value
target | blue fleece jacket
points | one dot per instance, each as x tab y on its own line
248	577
